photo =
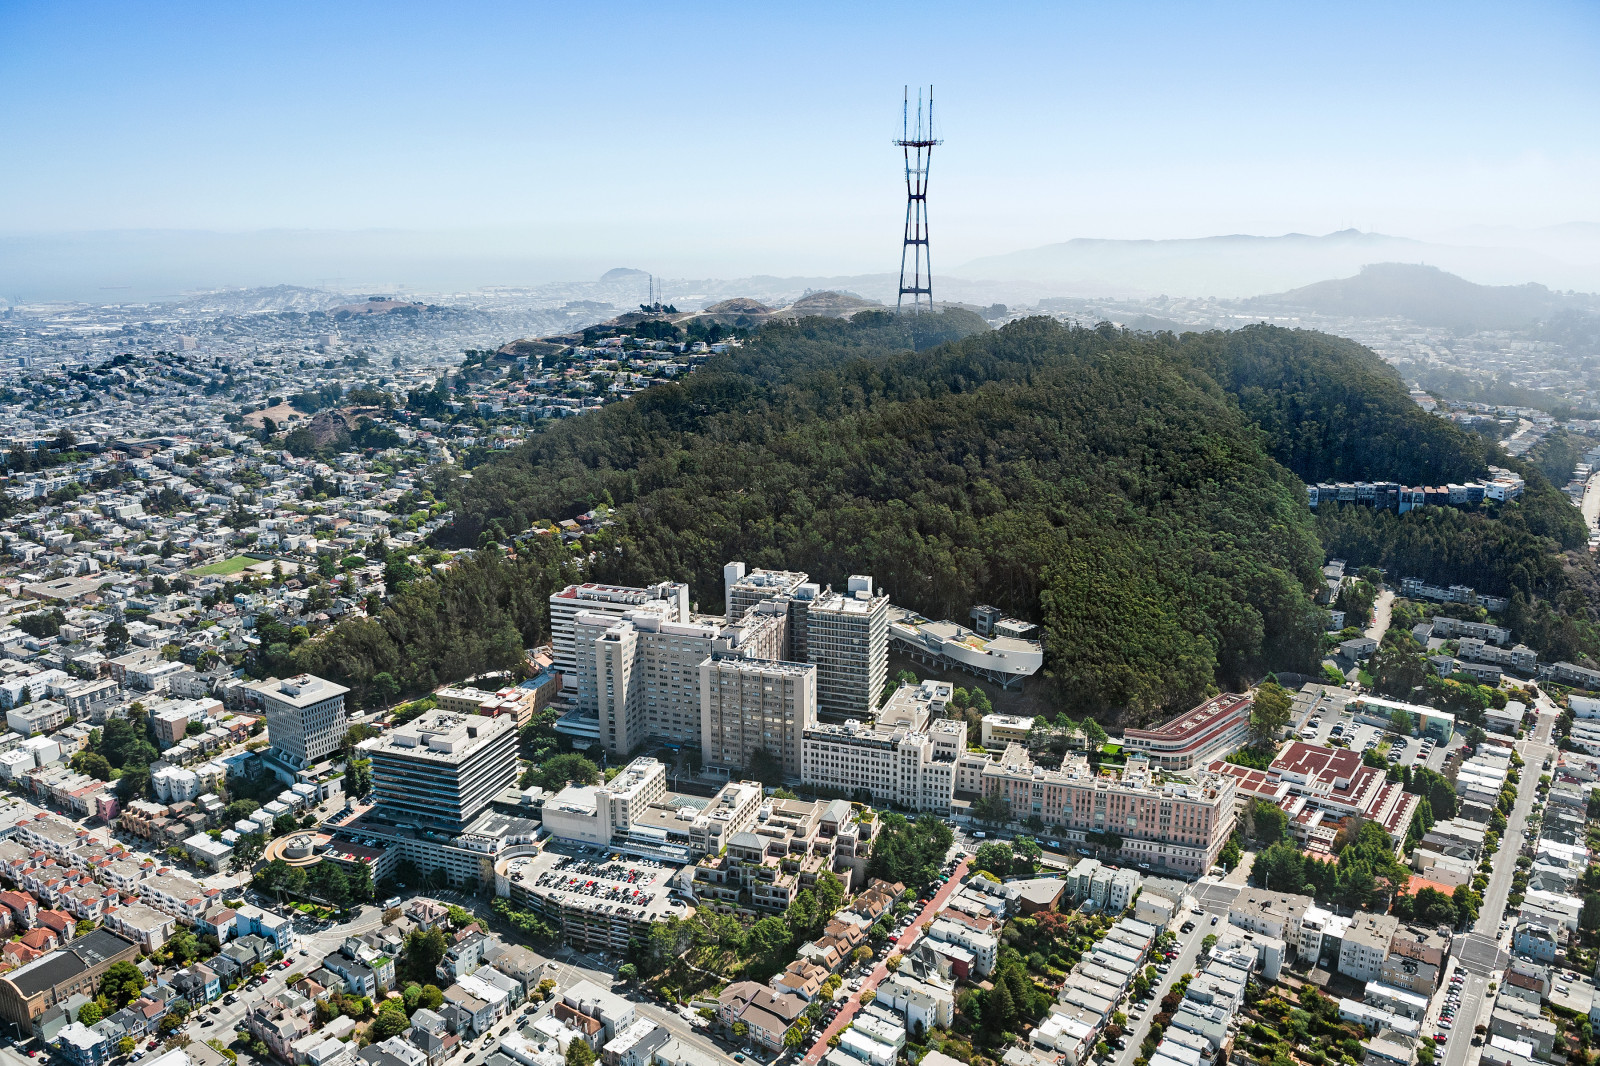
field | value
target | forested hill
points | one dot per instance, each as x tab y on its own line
1130	492
1087	479
1332	410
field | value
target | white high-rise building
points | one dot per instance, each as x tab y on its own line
640	674
786	589
305	718
614	600
847	639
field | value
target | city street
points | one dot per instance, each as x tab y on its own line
1188	954
1482	953
880	970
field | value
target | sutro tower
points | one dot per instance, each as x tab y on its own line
916	242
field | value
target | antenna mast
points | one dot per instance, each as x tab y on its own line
918	151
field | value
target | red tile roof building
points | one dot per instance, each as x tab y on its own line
1318	787
1216	727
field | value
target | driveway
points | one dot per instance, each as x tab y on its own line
881	971
1381	610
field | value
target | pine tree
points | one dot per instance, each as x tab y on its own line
998	1009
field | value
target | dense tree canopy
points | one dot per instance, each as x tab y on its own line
1135	494
476	617
1087	479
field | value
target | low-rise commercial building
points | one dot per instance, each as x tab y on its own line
1196	737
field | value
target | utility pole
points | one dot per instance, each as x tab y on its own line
917	148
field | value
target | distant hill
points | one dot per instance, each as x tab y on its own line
1428	296
1241	265
1226	266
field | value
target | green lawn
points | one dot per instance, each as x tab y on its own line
224	567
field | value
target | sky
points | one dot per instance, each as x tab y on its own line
755	138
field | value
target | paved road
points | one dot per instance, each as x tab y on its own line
1188	953
1382	607
1591	503
1479	953
1474	1000
880	971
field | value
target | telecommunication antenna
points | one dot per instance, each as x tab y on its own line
918	151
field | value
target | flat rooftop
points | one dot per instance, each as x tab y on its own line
444	737
301	691
641	888
1208	715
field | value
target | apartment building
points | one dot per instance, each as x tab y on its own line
749	705
1365	946
984	947
791	843
1194	738
177	895
1518	657
40	716
1416	959
1444	626
847	640
442	769
906	757
613	600
1274	914
1172	828
305	717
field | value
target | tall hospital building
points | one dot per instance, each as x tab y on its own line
639	667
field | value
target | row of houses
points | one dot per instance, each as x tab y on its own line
1375	948
1393	496
1089	996
769	1010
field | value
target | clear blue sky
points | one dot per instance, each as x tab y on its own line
756	136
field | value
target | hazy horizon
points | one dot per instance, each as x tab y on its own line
154	146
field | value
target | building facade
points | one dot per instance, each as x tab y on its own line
749	705
1169	828
847	640
305	718
613	600
442	769
907	757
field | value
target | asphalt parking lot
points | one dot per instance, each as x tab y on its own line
1327	715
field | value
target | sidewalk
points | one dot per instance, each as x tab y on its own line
881	971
